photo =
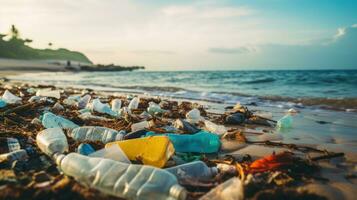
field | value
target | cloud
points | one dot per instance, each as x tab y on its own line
237	50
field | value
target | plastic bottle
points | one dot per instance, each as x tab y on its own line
123	180
102	108
196	169
185	126
10	98
96	133
50	120
10	157
154	108
11	144
232	189
48	93
116	105
154	151
140	126
285	122
201	142
194	116
134	103
85	149
2	103
214	128
52	141
83	102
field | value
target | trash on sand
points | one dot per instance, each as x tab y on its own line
235	118
134	103
197	170
9	144
154	151
96	133
154	108
2	103
100	107
116	105
83	101
271	162
140	125
194	116
232	189
48	93
123	180
201	142
214	128
50	120
52	141
10	157
10	98
185	126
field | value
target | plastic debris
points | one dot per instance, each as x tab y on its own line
140	125
120	179
236	118
214	128
134	103
197	170
286	122
10	98
98	106
185	126
10	157
194	116
85	149
50	120
84	101
10	144
48	93
2	103
58	107
154	151
116	105
201	142
271	162
113	152
154	108
52	141
96	133
232	189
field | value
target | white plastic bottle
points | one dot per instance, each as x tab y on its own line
96	133
196	169
51	141
134	103
123	180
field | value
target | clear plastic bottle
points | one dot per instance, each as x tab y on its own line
154	108
123	180
285	122
50	120
52	141
116	105
197	169
140	126
102	108
232	189
194	116
214	128
96	133
83	102
134	103
201	142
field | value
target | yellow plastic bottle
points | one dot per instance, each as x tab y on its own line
154	151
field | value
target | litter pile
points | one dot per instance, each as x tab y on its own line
64	144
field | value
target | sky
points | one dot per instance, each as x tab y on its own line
194	35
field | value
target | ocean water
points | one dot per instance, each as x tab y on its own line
335	89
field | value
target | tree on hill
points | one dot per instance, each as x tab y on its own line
14	32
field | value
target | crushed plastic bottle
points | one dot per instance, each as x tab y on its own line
52	141
197	170
85	149
96	133
232	189
116	105
194	116
214	128
201	142
102	108
140	126
2	103
10	157
84	101
154	151
10	144
154	108
10	98
123	180
48	93
285	122
185	126
134	103
50	120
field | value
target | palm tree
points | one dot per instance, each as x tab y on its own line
14	32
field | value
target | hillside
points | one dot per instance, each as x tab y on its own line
17	48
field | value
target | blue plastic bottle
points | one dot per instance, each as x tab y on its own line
201	142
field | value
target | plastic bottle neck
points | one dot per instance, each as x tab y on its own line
178	192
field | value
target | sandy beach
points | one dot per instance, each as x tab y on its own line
322	130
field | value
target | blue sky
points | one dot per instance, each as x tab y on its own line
176	35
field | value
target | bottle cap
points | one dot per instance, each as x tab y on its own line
178	192
58	158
